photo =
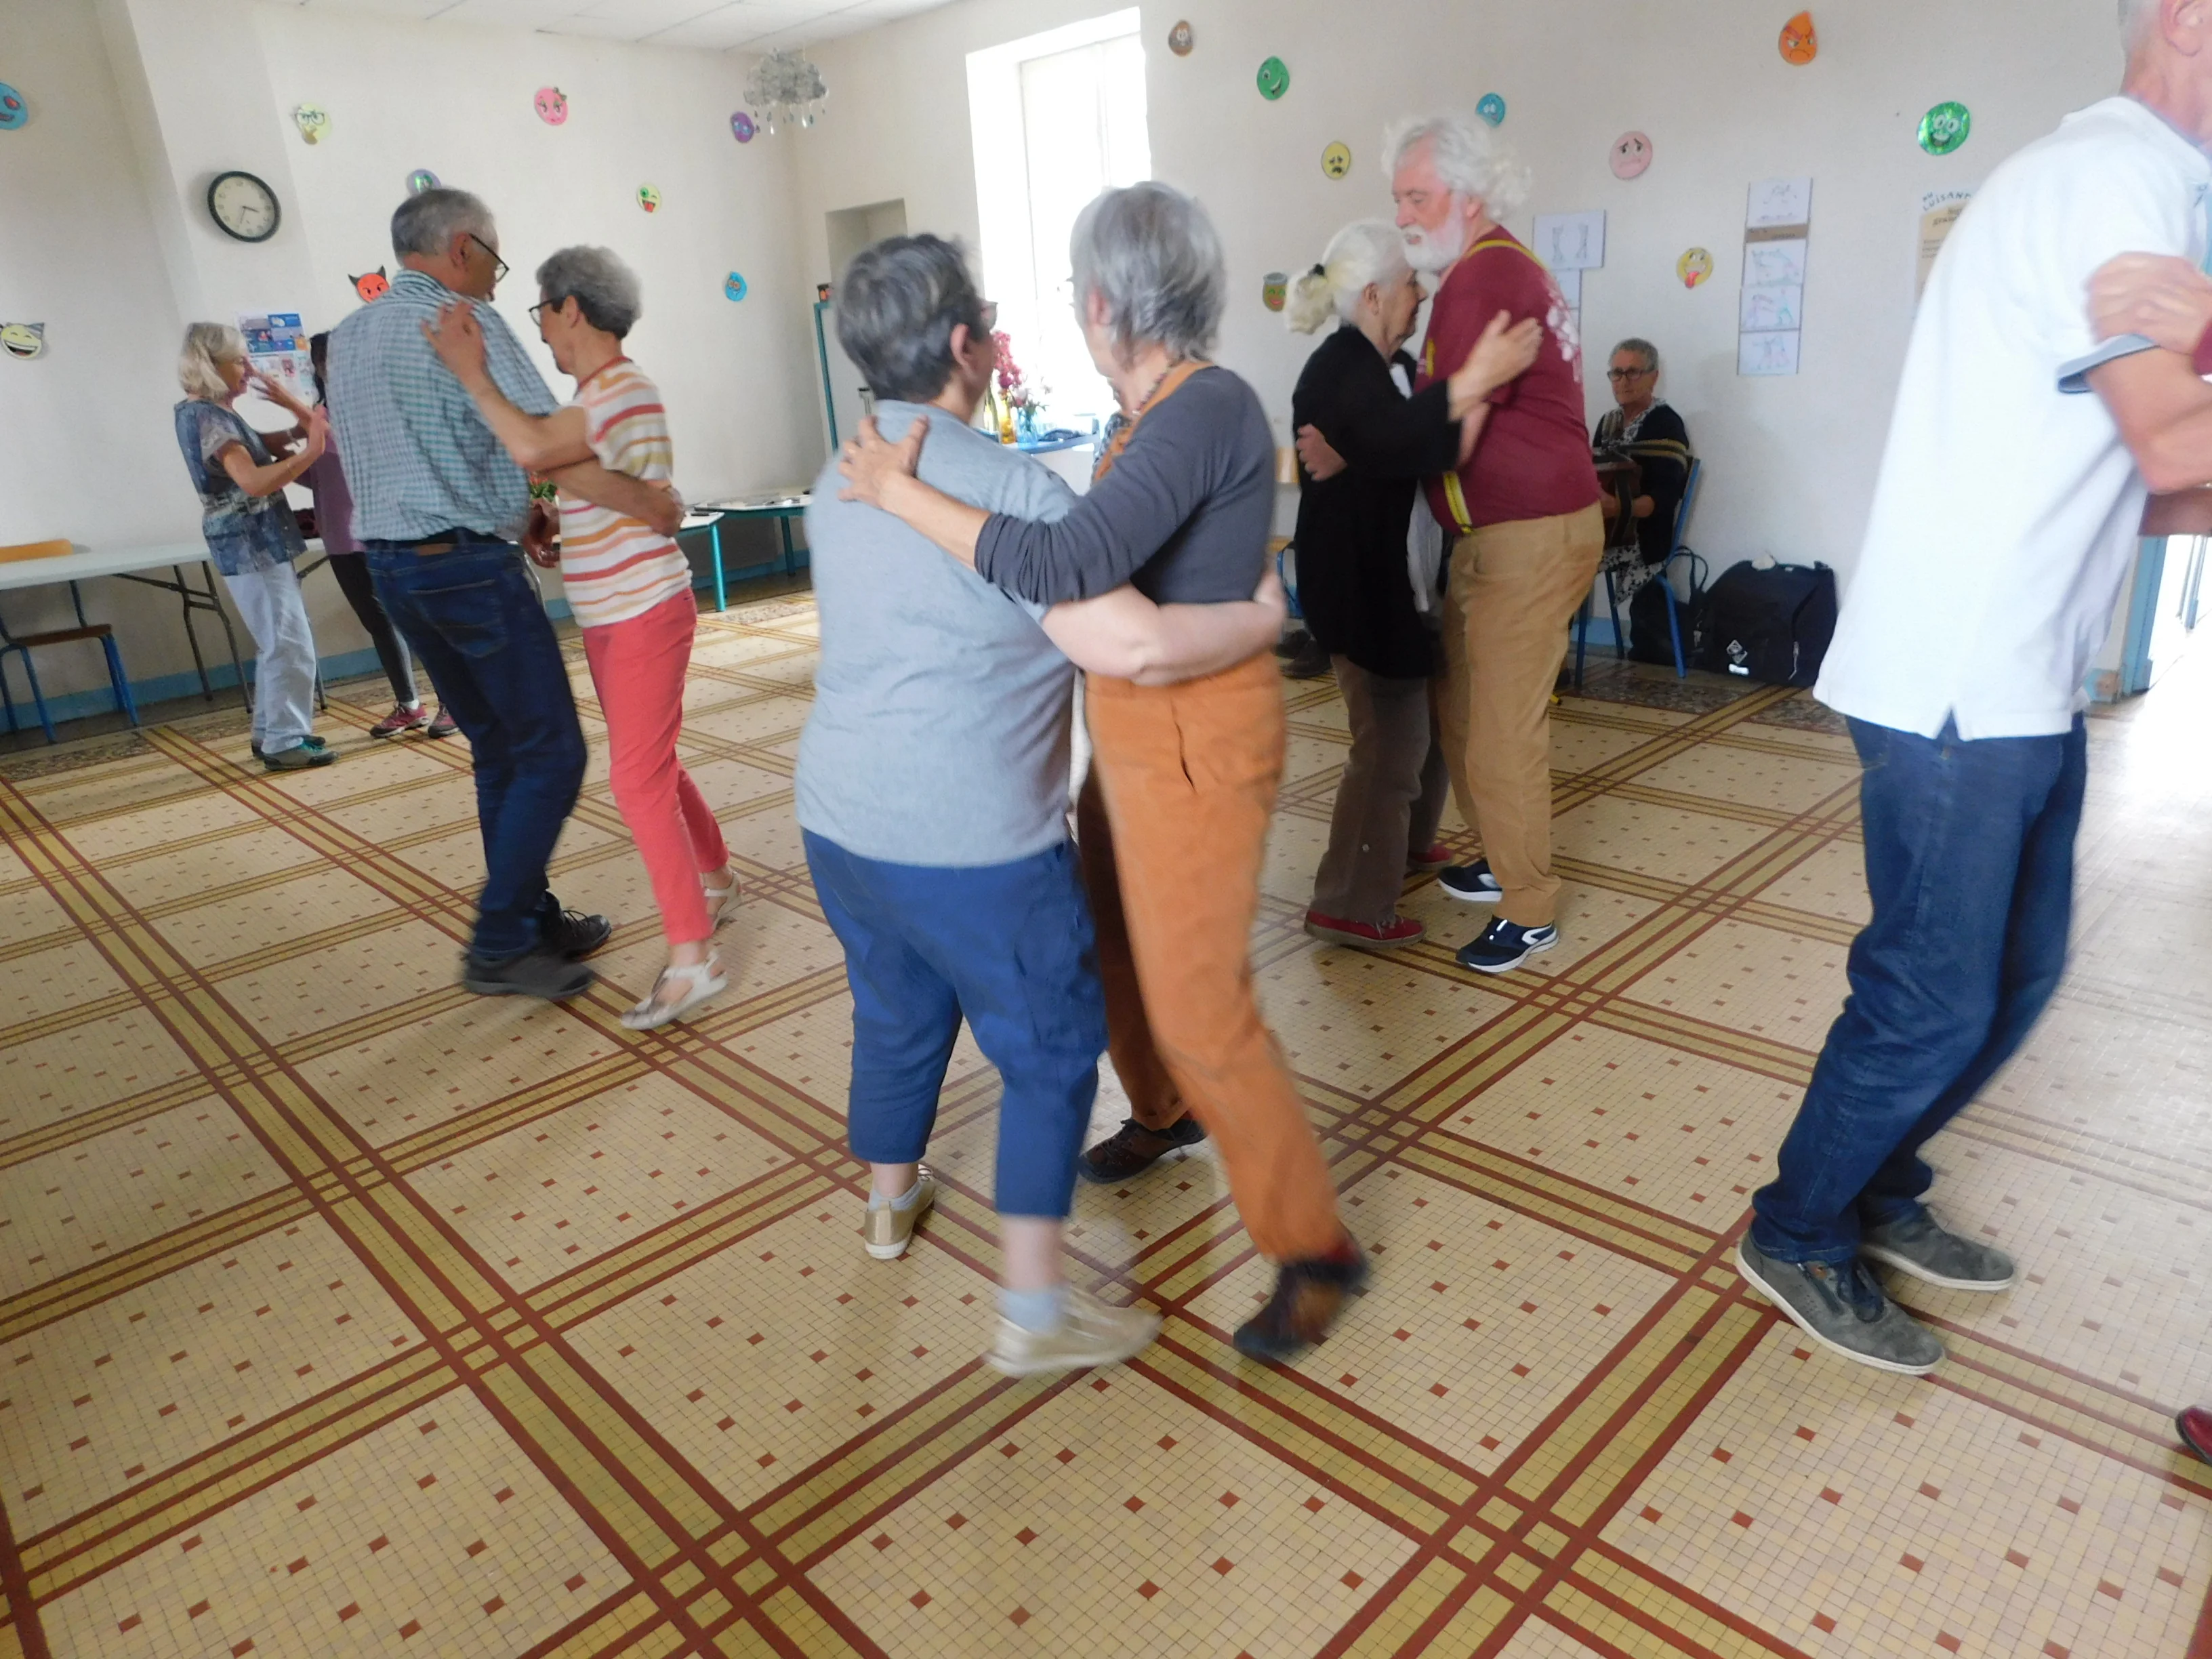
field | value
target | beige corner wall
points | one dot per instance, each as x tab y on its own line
136	103
1790	462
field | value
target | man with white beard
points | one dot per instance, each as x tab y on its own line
1521	513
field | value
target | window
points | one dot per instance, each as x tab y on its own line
1057	118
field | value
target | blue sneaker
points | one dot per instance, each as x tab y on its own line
1503	947
1471	884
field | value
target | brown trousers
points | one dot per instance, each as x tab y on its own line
1388	801
1513	588
1172	823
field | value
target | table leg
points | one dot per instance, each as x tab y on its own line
185	600
721	590
783	524
230	638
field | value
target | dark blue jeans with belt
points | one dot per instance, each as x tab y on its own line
1970	861
473	619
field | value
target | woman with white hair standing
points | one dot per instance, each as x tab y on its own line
1356	585
630	589
252	535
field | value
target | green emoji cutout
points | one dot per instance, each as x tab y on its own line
1274	79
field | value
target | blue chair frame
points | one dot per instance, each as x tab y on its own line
83	630
1666	586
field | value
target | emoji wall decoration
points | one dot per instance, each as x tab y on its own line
1336	160
733	286
23	339
419	181
1631	156
1694	266
1274	79
1274	288
1945	127
371	285
648	199
1180	40
741	127
13	111
1492	108
313	122
552	105
1800	43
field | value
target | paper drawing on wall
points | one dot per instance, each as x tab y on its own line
1274	79
1767	353
13	111
23	339
1180	40
1800	43
419	181
1492	108
1779	307
1945	127
648	199
733	286
1570	241
1632	155
371	285
1336	160
1779	202
313	122
1275	288
552	106
1774	265
742	128
1694	266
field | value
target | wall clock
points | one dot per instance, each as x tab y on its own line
243	207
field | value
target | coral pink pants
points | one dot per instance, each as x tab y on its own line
638	668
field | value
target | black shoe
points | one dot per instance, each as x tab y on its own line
1310	663
1504	946
573	934
1308	1295
1471	884
1133	1149
1292	643
539	972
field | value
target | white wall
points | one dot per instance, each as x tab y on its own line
109	244
1791	462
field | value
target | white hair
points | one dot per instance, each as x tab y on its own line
1151	254
207	345
1365	250
1471	160
598	281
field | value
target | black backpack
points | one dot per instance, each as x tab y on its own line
1773	624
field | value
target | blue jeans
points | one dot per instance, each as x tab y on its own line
1970	861
473	619
1011	947
284	662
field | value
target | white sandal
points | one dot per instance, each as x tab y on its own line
722	902
699	980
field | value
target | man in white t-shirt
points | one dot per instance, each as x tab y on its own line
2001	529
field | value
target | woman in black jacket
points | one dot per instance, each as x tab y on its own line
1355	566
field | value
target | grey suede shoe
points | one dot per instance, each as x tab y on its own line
1936	1256
1842	1308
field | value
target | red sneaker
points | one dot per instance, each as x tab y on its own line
444	725
2196	1426
1365	936
1435	859
401	720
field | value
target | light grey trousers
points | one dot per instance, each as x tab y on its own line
1389	800
285	666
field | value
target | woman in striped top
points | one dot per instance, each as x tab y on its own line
630	588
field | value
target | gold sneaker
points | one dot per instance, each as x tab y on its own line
1090	1334
888	1231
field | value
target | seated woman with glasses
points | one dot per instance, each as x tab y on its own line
1650	432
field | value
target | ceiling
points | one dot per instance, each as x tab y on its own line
716	25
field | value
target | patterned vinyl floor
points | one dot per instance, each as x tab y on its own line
344	1312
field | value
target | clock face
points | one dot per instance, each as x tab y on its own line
243	207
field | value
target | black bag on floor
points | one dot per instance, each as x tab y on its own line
1649	639
1773	624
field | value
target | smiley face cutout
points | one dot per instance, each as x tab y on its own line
1274	79
1336	160
552	106
1632	155
1800	42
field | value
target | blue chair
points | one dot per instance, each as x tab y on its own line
83	630
1666	586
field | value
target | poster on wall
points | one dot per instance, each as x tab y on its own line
1778	224
1572	241
1938	211
276	344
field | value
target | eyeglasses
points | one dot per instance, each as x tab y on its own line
535	312
1628	374
499	265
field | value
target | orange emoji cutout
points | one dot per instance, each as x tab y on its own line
1800	43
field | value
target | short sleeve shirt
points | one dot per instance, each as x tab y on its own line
1533	459
613	567
2006	511
940	731
245	533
